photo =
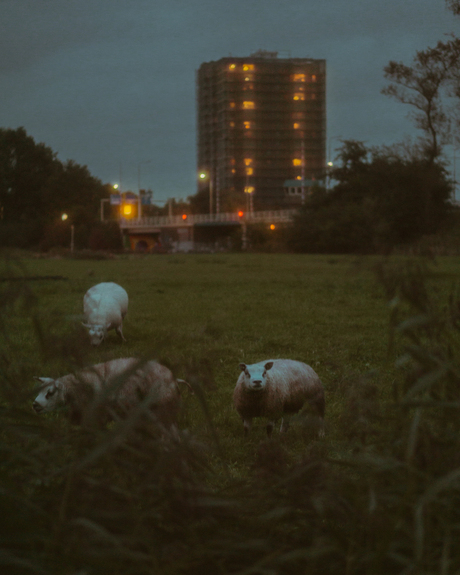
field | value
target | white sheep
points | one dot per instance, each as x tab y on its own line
104	307
277	388
116	387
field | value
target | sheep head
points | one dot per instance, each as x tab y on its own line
97	332
50	396
255	376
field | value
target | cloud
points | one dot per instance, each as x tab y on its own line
104	81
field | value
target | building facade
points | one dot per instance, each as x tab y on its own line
261	121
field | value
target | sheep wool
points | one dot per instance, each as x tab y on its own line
118	386
104	306
277	388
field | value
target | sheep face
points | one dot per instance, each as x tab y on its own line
255	376
50	396
96	333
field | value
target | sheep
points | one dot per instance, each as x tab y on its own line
104	307
115	387
276	388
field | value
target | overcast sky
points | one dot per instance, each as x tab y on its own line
110	84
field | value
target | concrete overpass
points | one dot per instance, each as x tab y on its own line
147	232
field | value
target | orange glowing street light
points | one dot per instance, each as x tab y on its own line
184	216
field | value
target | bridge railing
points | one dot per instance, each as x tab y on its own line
270	216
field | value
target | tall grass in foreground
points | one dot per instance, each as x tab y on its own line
380	495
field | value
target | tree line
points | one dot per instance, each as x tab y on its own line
387	196
36	188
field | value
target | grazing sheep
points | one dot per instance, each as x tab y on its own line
276	388
104	306
117	386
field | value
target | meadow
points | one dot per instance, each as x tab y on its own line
358	321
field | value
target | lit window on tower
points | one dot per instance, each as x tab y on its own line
298	77
248	125
296	125
297	162
248	189
247	67
313	78
299	96
232	104
232	66
249	171
247	105
248	161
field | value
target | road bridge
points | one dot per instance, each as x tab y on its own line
146	232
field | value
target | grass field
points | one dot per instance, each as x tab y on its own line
208	313
204	314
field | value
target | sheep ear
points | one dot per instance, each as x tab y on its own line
268	365
242	366
47	380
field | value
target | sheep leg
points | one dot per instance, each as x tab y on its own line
270	426
247	426
120	332
284	425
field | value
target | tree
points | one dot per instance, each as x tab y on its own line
425	85
454	5
36	188
383	197
199	202
431	85
73	190
25	169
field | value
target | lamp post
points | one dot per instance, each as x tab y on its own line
454	178
330	163
206	176
115	187
64	217
139	205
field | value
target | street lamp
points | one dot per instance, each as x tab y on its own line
139	205
208	176
65	217
115	187
454	178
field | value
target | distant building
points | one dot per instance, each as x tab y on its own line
261	122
